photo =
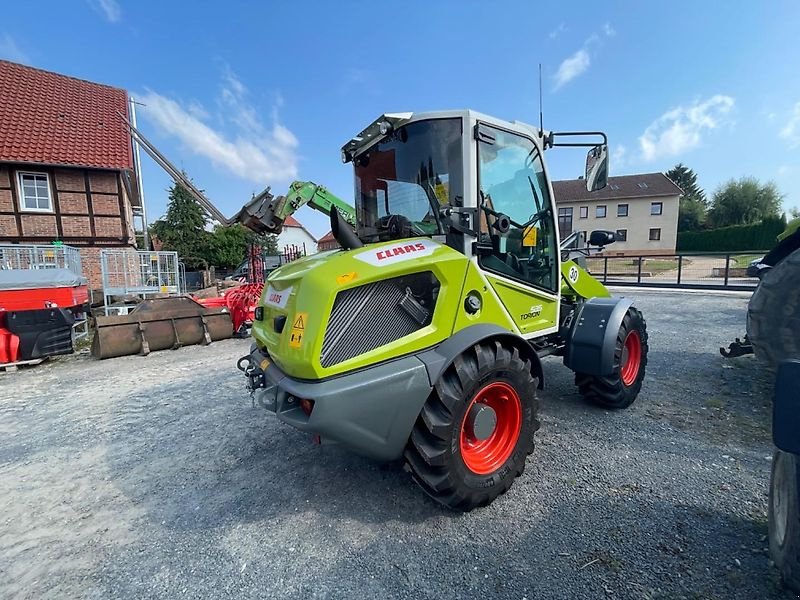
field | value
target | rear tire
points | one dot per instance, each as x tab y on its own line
620	389
476	429
784	517
773	314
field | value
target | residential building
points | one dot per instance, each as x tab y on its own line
66	164
641	209
295	237
327	242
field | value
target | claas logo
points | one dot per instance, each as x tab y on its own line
396	251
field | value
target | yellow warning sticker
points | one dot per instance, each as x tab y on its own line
164	289
530	236
346	278
298	330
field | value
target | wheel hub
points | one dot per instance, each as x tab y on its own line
491	428
482	419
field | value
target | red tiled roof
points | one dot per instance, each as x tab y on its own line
290	221
53	119
328	237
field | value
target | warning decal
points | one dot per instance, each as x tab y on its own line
298	330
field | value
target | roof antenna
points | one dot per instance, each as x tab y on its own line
541	117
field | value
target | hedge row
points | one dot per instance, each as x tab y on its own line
737	238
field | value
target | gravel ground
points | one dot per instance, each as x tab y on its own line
154	477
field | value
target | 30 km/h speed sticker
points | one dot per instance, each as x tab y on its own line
298	330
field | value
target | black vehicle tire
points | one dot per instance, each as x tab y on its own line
462	454
784	517
773	314
620	389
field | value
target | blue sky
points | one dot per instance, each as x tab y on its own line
244	95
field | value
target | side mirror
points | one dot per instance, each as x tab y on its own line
597	168
602	238
786	407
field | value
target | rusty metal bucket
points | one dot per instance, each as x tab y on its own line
160	324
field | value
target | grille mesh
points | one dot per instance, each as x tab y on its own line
364	318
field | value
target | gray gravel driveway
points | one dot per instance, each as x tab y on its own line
155	478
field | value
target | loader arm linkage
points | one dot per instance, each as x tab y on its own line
303	193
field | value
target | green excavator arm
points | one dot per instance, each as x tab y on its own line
302	193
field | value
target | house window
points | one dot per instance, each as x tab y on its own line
34	192
600	211
622	235
655	234
565	221
643	185
656	208
584	212
622	210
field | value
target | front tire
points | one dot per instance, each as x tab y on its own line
620	389
784	517
476	429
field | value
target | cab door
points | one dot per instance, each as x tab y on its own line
517	245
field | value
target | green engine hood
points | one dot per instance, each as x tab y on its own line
299	297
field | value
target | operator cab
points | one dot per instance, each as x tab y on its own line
477	183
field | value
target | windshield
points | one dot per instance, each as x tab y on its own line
403	180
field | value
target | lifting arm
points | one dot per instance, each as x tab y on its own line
302	193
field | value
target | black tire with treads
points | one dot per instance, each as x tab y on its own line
433	453
785	547
773	314
611	391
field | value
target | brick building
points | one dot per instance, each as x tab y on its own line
66	164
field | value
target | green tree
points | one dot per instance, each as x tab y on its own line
228	246
744	201
794	212
693	203
182	228
267	241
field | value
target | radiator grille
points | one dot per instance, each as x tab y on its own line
365	318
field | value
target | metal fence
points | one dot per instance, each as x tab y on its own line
699	270
139	273
23	256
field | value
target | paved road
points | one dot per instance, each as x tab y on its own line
154	477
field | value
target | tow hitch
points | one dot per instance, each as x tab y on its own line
260	390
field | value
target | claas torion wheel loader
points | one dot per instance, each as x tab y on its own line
422	338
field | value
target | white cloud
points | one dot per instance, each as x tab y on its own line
557	31
108	8
680	129
257	152
571	67
577	64
791	129
11	51
618	157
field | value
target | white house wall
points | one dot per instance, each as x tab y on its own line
296	236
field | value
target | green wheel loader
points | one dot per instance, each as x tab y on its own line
423	337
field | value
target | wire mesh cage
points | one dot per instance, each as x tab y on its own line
139	273
23	257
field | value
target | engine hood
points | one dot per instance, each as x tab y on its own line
299	297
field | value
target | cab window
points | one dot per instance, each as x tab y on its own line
512	184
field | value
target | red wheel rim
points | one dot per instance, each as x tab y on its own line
631	357
484	456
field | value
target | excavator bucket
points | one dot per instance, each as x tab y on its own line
160	324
